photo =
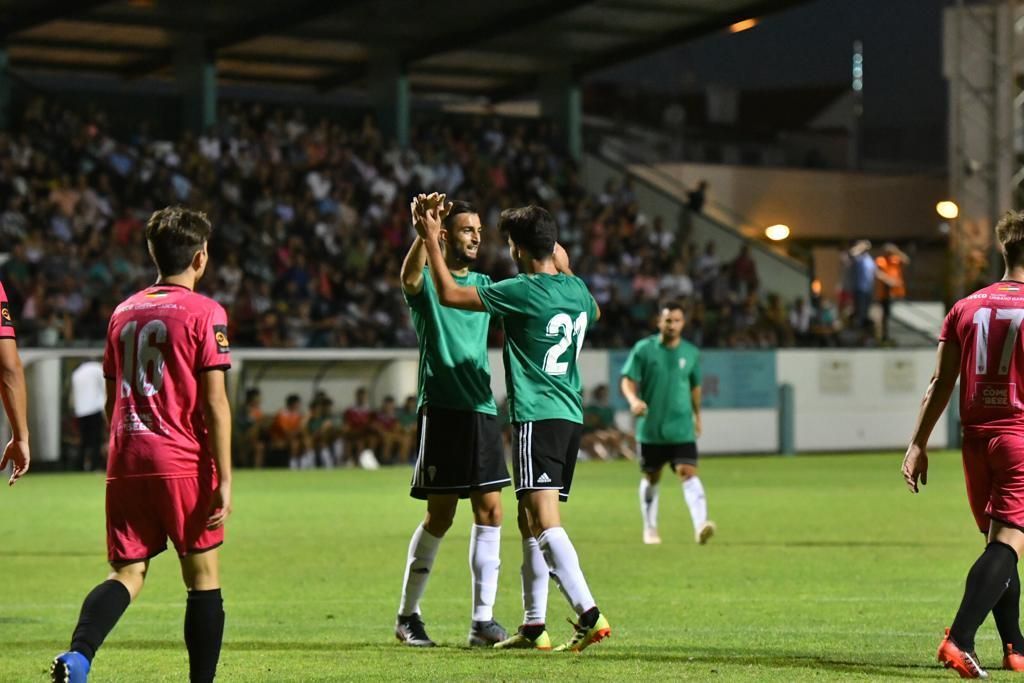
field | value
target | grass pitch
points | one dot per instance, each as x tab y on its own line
824	568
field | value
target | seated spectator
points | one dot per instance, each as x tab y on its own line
800	319
743	276
358	434
286	433
395	441
602	440
408	420
321	433
251	429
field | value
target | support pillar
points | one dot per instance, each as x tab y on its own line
195	71
389	94
561	102
6	89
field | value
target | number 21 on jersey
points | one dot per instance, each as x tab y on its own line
562	325
982	321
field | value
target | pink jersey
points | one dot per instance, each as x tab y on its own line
987	325
6	322
158	342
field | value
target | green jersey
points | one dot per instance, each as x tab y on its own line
597	417
546	318
454	371
666	377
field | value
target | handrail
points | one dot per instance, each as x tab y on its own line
754	244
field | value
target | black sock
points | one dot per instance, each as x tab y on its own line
986	583
100	611
589	618
533	631
204	632
1006	614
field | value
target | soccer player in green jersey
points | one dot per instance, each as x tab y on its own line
459	448
545	310
661	381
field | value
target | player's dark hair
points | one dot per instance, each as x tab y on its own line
1010	235
459	207
673	305
251	393
531	228
174	235
292	399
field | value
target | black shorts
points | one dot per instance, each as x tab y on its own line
544	455
458	451
654	456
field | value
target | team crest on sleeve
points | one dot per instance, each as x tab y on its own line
220	334
5	315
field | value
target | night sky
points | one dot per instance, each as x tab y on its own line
812	45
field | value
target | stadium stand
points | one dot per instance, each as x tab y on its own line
313	222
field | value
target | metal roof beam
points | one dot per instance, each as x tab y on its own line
272	22
86	45
43	13
508	22
713	23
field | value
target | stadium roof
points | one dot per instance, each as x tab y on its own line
493	48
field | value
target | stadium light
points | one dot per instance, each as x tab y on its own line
744	25
777	232
947	209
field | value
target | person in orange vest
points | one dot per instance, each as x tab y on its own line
889	284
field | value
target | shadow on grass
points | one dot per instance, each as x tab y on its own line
841	544
51	553
693	661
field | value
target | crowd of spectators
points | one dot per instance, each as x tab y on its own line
311	224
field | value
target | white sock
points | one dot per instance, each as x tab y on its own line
565	568
308	460
326	459
535	582
294	462
422	551
649	503
693	492
484	562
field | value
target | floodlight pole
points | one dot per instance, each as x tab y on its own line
980	62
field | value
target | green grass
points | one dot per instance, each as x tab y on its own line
824	568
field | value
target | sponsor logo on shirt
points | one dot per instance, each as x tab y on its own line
995	395
5	315
220	335
682	363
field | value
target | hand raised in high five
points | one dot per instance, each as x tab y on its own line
423	203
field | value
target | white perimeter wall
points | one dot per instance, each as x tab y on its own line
845	400
853	399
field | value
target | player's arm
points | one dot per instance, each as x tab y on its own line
412	267
15	400
631	390
218	421
695	395
416	258
936	396
561	260
110	400
449	292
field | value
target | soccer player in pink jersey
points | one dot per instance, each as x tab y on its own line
981	344
12	394
169	469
